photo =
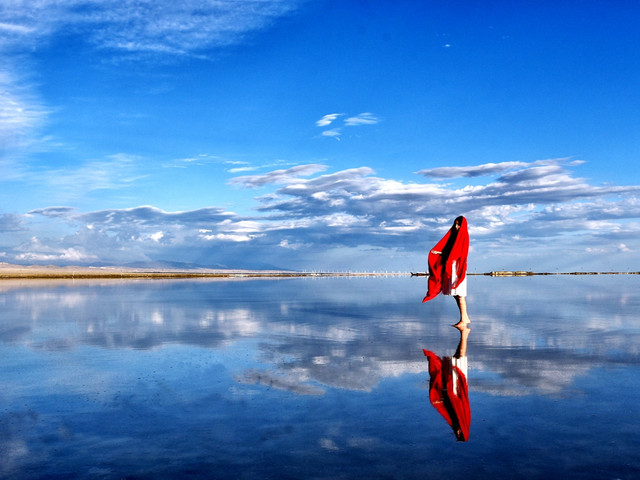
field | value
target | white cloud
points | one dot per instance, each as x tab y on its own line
344	220
623	248
15	29
293	246
230	237
358	120
242	169
38	252
334	133
365	118
156	237
200	159
69	255
327	119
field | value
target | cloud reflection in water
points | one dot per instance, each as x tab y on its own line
342	337
289	377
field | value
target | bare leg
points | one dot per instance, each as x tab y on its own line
462	346
462	306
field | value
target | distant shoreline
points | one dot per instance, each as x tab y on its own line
530	274
19	272
505	273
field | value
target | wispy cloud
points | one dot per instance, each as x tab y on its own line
470	171
246	168
200	159
278	176
327	119
38	252
160	27
355	121
333	133
22	113
489	168
362	119
111	173
149	216
10	222
154	30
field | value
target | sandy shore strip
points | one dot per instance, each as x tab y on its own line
9	271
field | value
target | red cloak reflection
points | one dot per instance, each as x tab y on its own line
448	393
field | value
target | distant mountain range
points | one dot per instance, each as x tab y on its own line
169	265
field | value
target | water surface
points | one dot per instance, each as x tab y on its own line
316	378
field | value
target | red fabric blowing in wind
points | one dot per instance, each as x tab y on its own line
440	266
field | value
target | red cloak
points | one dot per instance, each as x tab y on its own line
440	265
453	407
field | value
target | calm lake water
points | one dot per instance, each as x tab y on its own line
317	378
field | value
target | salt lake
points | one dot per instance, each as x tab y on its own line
317	378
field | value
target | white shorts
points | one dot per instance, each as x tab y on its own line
460	290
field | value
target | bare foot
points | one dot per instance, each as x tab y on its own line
462	323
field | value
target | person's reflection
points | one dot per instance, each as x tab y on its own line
448	390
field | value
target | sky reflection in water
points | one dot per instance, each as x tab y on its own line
319	378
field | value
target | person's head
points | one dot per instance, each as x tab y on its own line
457	223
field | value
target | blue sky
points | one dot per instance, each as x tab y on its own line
319	134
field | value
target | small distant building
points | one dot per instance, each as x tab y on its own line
509	273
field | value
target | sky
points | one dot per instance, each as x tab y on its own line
320	135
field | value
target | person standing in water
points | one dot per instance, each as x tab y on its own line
448	268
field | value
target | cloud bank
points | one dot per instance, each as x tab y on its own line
523	215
